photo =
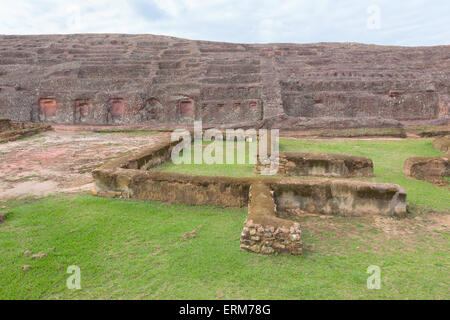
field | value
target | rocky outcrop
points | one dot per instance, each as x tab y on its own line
432	169
129	79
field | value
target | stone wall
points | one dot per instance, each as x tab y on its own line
263	231
443	144
432	169
269	199
12	130
322	165
338	197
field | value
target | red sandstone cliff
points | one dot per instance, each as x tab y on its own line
112	79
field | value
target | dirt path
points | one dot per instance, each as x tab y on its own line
61	161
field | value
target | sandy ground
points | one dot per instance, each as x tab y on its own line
61	161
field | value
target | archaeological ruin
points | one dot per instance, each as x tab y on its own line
165	81
13	130
271	201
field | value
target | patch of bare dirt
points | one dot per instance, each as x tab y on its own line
61	161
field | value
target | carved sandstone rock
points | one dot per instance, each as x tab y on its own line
443	144
129	79
432	169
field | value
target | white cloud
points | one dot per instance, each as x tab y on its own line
405	22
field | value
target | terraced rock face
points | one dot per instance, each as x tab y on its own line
128	79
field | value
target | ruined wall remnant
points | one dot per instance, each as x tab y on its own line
432	169
12	130
228	83
321	165
339	197
271	201
443	144
132	176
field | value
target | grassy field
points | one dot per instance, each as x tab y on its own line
136	250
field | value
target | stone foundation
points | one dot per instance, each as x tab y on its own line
272	201
338	197
432	169
443	144
131	176
265	233
11	130
321	165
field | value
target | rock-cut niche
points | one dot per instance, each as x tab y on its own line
116	110
153	110
48	108
81	111
187	110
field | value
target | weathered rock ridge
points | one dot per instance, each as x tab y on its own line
129	79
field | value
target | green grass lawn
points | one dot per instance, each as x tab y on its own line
135	250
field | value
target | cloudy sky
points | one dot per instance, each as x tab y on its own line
393	22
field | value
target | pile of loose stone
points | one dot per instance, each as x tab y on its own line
269	239
264	232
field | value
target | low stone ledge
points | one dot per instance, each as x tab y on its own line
431	169
124	177
325	165
263	232
339	197
11	130
174	187
145	158
443	144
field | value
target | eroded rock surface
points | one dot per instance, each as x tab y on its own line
129	79
432	169
443	144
